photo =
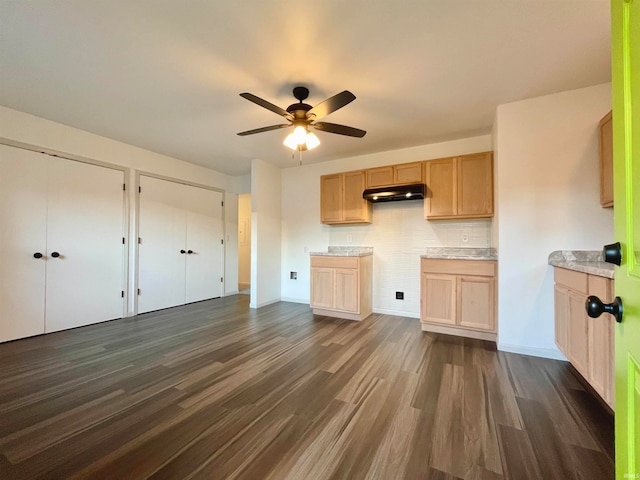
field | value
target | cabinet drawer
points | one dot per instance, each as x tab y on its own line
485	268
334	262
574	280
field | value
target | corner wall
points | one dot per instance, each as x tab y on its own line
266	234
547	165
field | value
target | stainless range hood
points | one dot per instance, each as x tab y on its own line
396	193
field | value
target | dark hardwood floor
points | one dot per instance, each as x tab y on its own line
214	390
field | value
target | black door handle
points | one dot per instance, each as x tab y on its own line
37	255
189	252
595	307
612	253
182	251
55	254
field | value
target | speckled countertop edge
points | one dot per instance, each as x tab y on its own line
339	251
459	253
586	261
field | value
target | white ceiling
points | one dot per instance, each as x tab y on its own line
165	75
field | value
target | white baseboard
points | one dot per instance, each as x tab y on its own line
397	313
263	304
295	300
552	353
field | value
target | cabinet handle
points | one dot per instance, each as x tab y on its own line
189	252
55	254
37	255
612	253
595	307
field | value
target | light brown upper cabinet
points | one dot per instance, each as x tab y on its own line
459	187
341	199
606	161
402	174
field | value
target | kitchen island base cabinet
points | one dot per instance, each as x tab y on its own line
586	342
458	297
341	286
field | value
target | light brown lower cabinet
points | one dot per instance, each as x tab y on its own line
341	286
458	297
586	342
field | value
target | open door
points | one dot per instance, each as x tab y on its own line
626	133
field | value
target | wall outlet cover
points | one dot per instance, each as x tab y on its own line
399	295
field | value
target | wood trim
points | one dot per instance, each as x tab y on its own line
334	262
458	331
485	268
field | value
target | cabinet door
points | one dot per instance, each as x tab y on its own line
322	287
204	239
331	198
85	223
601	336
606	161
475	185
440	177
577	333
346	290
355	208
23	216
407	173
476	303
438	299
561	307
162	229
379	177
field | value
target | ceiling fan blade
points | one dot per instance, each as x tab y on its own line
339	129
268	105
331	104
264	129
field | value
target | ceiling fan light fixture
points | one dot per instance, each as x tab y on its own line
312	140
300	134
291	142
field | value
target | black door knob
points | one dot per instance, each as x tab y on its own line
182	251
55	254
595	307
37	255
612	253
189	252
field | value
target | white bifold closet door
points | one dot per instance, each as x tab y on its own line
85	214
181	252
70	215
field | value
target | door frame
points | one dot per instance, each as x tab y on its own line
125	201
136	226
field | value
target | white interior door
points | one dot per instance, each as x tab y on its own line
204	240
85	227
162	230
23	220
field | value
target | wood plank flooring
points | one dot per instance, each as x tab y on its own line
215	390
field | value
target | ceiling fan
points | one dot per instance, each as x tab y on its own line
302	116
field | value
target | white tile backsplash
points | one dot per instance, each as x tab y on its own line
399	234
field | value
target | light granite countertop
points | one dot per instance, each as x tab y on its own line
344	252
586	261
456	253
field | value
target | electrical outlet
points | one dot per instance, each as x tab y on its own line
349	238
293	275
465	237
399	295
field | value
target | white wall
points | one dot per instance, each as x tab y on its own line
244	238
399	233
266	233
548	199
21	127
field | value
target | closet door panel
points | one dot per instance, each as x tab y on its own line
204	238
85	224
23	219
162	229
